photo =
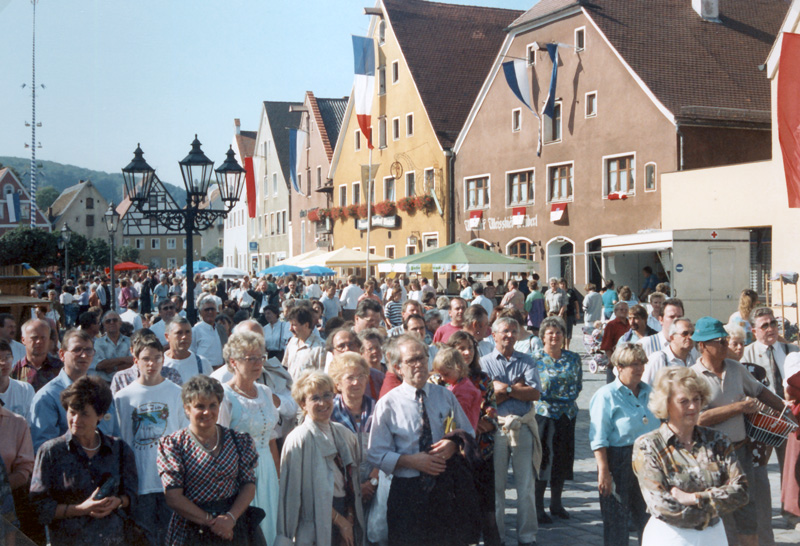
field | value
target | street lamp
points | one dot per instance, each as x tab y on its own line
111	218
196	171
66	233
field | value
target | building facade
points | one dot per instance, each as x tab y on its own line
625	110
15	208
235	231
82	208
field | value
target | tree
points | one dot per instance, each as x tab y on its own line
98	252
37	247
78	250
127	253
46	196
215	256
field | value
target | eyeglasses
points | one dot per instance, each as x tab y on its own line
110	321
719	340
78	351
207	309
317	398
252	359
168	308
767	325
685	333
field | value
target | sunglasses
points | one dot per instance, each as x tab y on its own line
767	325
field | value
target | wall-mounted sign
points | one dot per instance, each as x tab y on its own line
378	221
493	223
253	246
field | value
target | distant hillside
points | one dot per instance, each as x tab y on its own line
62	176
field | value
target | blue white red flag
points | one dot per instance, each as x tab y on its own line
549	103
297	143
14	213
364	85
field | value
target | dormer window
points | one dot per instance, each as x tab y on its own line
580	39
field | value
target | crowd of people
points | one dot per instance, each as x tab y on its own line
303	412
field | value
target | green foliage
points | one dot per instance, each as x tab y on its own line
215	256
78	250
98	252
127	253
37	247
46	196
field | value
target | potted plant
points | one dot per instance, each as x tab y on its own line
313	215
386	208
407	204
425	203
337	213
362	211
352	211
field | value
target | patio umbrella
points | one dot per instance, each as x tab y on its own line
199	266
457	258
225	272
318	271
281	270
129	266
342	257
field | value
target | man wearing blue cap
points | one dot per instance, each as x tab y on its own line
734	392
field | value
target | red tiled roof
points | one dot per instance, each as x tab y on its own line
246	142
449	50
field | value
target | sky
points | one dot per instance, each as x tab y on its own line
121	72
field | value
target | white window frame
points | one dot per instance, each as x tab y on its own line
172	263
425	179
550	167
382	80
466	181
386	251
655	176
382	133
547	136
530	54
414	175
605	160
138	243
394	188
395	72
319	176
356	195
414	250
518	239
382	32
429	236
526	203
343	195
579	30
396	128
275	183
410	123
357	140
586	104
516	120
184	243
155	243
479	240
171	243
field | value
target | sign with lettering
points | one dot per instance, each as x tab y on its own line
492	223
378	221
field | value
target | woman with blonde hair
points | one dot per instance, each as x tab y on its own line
748	300
688	474
252	408
318	503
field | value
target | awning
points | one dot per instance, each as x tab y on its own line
458	258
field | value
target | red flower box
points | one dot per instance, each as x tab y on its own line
313	215
386	208
407	204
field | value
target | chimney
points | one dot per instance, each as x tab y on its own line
237	126
707	9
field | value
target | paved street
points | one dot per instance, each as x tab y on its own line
585	526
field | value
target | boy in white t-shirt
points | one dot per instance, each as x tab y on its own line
15	395
147	410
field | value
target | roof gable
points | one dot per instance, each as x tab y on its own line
280	121
449	49
7	176
246	142
328	114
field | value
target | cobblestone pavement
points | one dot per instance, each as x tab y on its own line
585	526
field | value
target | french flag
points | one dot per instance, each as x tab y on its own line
297	143
14	213
364	85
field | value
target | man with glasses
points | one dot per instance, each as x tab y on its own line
679	352
734	393
673	308
769	353
306	350
179	356
112	352
166	312
407	441
37	367
205	339
48	417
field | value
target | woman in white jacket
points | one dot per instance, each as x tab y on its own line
318	503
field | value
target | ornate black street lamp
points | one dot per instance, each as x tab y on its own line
111	218
196	171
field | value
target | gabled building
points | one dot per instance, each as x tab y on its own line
643	88
81	207
236	247
321	122
268	233
431	61
15	204
158	247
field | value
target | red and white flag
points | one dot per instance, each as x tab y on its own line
557	211
789	114
475	219
364	85
518	216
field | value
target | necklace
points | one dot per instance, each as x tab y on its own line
203	444
240	391
95	448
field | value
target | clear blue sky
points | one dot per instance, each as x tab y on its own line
118	72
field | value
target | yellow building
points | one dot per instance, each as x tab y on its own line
431	61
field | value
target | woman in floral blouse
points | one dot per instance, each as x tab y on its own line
561	375
689	475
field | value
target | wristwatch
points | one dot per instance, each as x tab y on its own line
373	482
508	389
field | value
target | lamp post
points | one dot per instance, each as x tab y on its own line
66	233
111	218
196	171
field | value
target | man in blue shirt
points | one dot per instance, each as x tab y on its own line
516	387
48	417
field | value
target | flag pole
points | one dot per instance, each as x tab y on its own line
369	207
